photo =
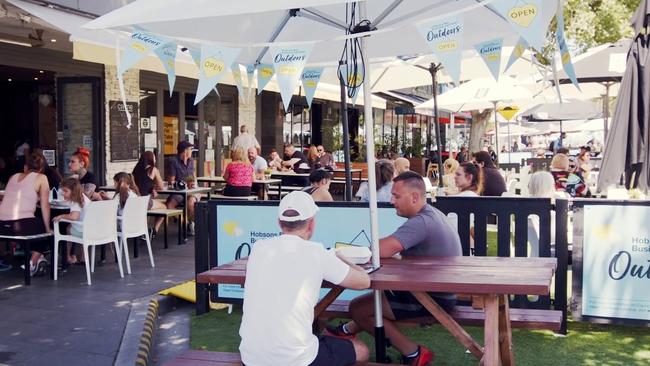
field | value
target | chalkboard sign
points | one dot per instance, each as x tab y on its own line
125	142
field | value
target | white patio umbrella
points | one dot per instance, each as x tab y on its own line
386	28
568	110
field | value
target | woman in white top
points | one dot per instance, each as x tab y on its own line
74	197
384	172
125	188
468	179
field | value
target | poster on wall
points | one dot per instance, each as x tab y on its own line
237	233
170	135
616	254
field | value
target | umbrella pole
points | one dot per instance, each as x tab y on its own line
433	69
496	132
380	341
606	111
346	138
509	150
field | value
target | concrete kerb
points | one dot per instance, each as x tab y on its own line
139	334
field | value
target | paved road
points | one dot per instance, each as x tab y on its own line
68	322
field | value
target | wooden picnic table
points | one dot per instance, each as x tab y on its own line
491	279
264	182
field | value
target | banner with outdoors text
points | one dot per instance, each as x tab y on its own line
565	55
445	38
310	77
215	62
288	63
517	52
525	16
264	74
167	55
490	52
140	45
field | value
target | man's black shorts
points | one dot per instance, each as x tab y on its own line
334	352
405	306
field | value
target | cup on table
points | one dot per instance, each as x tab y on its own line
165	185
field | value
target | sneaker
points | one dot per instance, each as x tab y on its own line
32	268
424	357
190	229
338	332
4	266
41	265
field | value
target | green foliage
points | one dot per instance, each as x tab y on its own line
593	22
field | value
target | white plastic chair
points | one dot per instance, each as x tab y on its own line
99	227
134	225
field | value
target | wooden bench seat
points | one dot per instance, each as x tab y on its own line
207	358
466	315
166	214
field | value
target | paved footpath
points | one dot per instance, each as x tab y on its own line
67	322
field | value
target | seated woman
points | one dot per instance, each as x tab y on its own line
541	184
17	209
78	164
448	183
319	188
238	175
125	188
73	197
313	159
493	182
148	179
565	181
469	180
384	173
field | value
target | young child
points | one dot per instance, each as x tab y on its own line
124	187
77	200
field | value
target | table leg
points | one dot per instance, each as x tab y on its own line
165	229
505	332
449	323
27	248
280	190
185	218
491	329
180	219
331	295
52	263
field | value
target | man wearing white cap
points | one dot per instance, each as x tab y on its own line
283	281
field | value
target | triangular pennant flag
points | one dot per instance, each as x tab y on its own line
288	64
196	56
353	82
236	74
310	78
215	62
445	38
264	74
250	75
565	55
167	55
525	16
490	52
141	43
517	52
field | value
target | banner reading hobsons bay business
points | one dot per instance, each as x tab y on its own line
616	262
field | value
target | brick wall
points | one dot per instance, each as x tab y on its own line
77	122
112	92
246	115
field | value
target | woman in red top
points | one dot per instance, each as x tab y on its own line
238	175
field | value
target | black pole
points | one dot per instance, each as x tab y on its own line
434	82
346	137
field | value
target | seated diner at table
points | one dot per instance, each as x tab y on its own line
319	187
238	175
148	179
384	173
78	164
283	280
18	207
426	233
180	168
493	182
468	180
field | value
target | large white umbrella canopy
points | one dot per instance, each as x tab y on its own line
566	111
600	64
479	94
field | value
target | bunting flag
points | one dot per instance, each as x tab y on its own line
167	55
140	45
215	62
236	75
490	52
354	81
310	78
567	64
250	75
288	64
517	52
264	74
525	16
445	38
196	56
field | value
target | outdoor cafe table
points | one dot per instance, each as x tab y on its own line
491	279
185	193
264	182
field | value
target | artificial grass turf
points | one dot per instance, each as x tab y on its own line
586	344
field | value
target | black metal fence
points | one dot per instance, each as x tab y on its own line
510	215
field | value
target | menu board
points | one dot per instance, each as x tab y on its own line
125	142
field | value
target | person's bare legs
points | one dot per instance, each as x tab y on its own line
360	350
171	204
191	200
362	311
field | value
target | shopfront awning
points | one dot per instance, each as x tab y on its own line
98	46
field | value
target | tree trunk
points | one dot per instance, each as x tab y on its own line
477	129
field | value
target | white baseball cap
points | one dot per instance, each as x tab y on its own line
298	201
